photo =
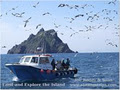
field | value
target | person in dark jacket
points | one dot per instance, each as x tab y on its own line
63	63
67	63
53	64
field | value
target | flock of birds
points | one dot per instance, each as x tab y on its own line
90	16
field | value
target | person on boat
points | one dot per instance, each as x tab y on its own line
53	64
63	64
67	63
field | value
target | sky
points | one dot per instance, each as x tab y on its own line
102	37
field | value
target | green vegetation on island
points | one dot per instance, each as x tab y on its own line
48	41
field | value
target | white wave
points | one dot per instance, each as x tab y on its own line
15	79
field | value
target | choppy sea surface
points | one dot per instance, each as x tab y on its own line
95	71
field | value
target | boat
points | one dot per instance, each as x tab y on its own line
39	68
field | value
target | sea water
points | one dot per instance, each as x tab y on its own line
95	71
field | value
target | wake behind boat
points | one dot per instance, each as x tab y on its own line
39	67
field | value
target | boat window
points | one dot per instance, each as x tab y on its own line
27	59
34	60
21	60
44	60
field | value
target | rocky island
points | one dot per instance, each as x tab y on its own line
47	40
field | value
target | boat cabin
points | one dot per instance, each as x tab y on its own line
40	61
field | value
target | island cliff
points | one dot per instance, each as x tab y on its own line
48	41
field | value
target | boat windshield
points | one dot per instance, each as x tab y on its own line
34	60
21	60
27	59
44	60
